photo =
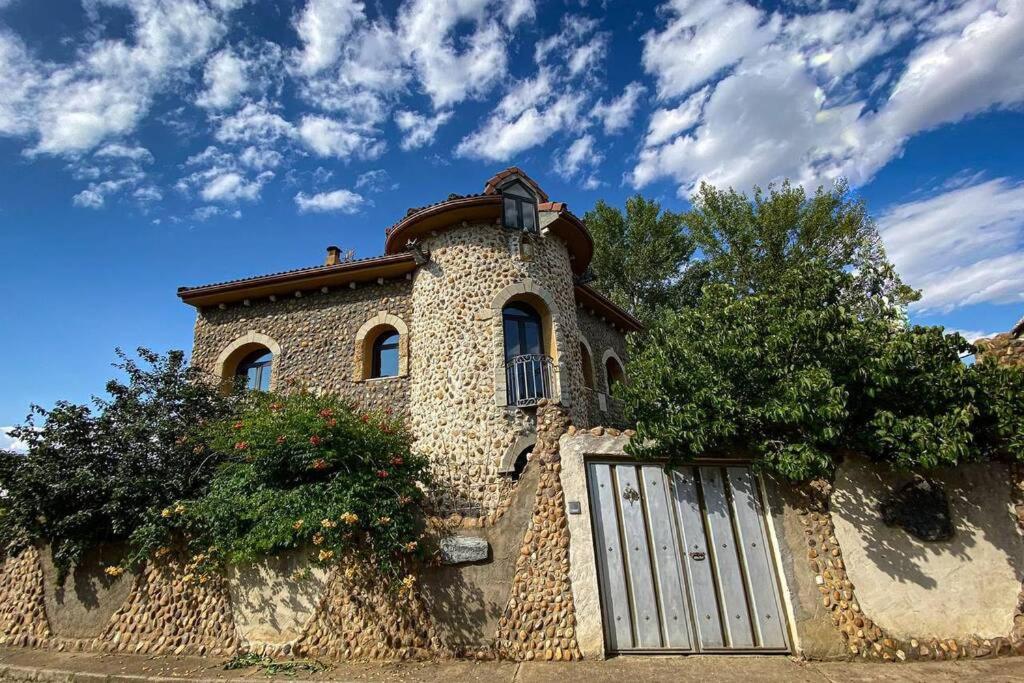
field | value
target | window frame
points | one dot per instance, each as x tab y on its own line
264	369
519	203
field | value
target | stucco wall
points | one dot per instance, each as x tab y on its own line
82	606
317	336
458	352
950	589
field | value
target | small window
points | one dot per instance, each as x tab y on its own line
254	371
588	367
385	355
615	373
519	209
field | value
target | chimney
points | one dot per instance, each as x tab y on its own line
333	256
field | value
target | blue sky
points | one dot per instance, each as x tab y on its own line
147	144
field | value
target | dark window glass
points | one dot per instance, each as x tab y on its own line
385	355
522	330
511	212
254	370
519	213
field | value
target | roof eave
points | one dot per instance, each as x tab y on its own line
602	305
386	267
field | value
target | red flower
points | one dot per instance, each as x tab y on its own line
383	474
326	413
397	460
275	406
241	445
280	439
238	425
385	428
315	440
364	417
319	464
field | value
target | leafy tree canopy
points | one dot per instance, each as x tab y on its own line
639	255
91	472
797	348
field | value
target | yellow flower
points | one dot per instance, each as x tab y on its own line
326	555
384	520
410	546
318	539
179	508
350	518
113	571
160	552
408	584
166	512
298	524
328	524
187	578
203	578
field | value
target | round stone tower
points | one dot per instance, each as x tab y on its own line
464	415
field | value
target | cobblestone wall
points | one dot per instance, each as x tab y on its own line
317	334
458	353
601	337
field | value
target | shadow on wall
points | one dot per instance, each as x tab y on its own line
82	606
272	600
979	508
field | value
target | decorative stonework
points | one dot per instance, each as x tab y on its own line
865	638
23	619
539	621
1006	348
361	618
601	338
172	611
315	336
364	341
458	349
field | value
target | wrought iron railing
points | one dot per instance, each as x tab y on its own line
528	379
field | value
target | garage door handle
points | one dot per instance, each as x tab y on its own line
697	556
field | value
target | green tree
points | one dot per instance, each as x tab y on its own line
639	255
798	348
91	473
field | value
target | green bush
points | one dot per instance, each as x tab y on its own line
91	474
300	471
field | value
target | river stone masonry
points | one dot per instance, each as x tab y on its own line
539	621
865	638
23	621
457	352
317	336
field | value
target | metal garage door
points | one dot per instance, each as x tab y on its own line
683	561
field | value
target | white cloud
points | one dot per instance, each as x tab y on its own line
581	158
376	180
9	443
963	246
618	113
667	123
109	88
222	178
88	199
700	40
119	151
323	26
508	132
254	123
971	335
450	71
786	97
148	193
225	79
418	129
328	137
341	200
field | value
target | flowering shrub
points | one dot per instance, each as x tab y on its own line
300	471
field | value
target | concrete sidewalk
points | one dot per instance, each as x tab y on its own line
37	665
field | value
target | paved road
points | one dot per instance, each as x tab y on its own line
35	665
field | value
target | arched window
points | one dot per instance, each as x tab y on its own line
520	465
254	370
384	362
527	368
614	372
588	366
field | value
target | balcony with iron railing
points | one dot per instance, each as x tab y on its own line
528	379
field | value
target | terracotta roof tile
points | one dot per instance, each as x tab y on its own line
294	271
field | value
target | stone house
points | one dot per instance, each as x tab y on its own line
477	310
